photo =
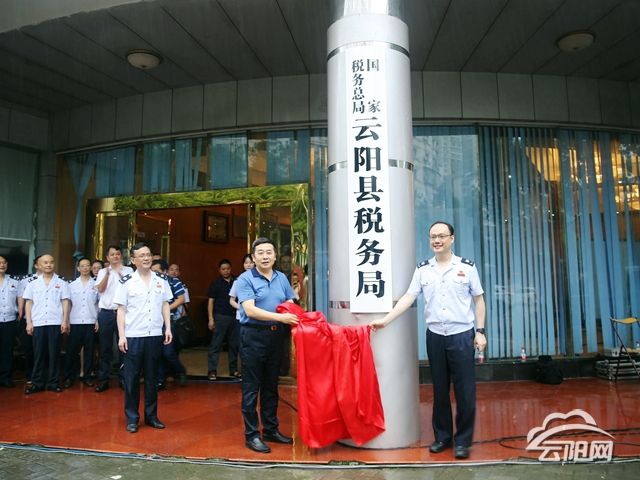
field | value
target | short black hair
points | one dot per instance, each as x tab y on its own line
84	258
164	266
135	248
247	256
117	248
224	261
97	260
261	241
442	222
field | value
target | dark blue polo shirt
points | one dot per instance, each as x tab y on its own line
219	292
251	285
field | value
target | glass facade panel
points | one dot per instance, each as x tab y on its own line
447	187
228	161
114	171
600	195
157	172
550	216
191	164
522	242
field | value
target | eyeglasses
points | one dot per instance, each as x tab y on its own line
442	236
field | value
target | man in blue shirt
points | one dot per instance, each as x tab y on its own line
260	290
170	359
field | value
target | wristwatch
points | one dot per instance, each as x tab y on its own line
480	330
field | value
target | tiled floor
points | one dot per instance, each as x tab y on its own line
204	421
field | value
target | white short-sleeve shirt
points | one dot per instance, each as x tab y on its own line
106	297
9	293
47	300
233	293
448	294
143	303
84	302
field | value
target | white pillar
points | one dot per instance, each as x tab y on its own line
369	86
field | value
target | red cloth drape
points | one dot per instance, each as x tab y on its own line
338	391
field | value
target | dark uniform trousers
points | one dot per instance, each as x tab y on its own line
26	344
7	337
170	359
143	354
46	349
80	335
452	360
107	328
260	353
227	327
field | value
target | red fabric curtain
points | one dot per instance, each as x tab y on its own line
338	391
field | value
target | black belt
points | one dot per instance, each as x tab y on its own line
273	328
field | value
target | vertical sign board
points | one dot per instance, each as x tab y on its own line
368	180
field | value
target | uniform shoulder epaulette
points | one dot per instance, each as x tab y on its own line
423	263
467	261
164	276
31	279
125	278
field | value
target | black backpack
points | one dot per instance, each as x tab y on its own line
548	371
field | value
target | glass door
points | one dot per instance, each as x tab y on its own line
279	222
155	231
113	228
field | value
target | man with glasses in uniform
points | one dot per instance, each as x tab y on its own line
454	304
143	308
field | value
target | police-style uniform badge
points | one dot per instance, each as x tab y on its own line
423	263
126	278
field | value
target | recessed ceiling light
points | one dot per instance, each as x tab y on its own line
143	59
575	41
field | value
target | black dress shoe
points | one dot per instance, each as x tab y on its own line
68	383
277	437
437	447
132	427
33	389
54	388
7	384
155	423
257	445
102	386
461	452
87	382
160	387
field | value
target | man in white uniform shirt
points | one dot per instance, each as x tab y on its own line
106	284
82	319
143	307
9	314
455	315
47	313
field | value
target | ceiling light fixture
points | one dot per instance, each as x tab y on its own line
143	59
575	41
